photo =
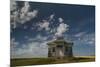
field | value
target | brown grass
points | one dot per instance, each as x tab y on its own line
41	61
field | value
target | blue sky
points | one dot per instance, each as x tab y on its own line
34	24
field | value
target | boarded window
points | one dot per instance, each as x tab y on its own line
53	49
66	49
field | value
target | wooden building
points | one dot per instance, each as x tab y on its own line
60	48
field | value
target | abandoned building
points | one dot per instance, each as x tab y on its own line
59	48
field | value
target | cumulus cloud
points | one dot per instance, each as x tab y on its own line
89	39
30	50
25	14
38	38
13	5
53	30
86	39
60	19
22	15
13	45
57	31
44	25
14	18
51	17
61	29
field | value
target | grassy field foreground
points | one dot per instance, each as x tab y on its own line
41	61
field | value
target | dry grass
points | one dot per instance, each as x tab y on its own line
41	61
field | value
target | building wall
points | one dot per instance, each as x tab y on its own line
68	51
61	51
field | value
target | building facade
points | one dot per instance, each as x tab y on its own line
60	48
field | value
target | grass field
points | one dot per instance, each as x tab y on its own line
41	61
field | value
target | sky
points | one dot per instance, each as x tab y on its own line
34	24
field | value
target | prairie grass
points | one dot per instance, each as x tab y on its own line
41	61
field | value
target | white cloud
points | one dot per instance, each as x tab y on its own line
53	30
79	34
86	39
27	15
44	25
90	39
22	15
61	29
14	18
30	50
90	42
60	19
51	17
14	43
26	7
13	5
38	38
